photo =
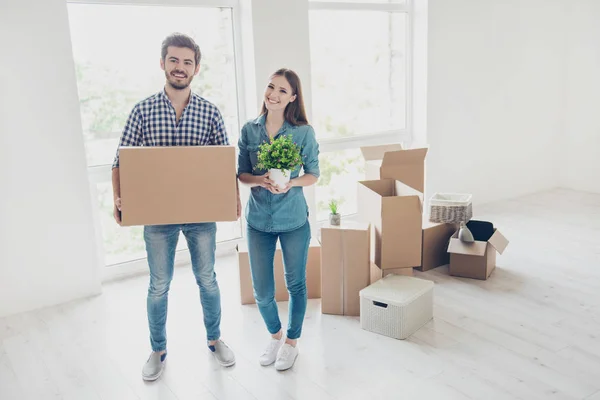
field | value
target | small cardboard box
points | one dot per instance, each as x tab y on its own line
436	237
394	162
313	273
177	184
345	267
378	273
394	211
475	260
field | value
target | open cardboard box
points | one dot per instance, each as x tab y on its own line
475	260
394	211
393	162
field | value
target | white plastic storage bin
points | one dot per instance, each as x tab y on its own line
450	208
396	306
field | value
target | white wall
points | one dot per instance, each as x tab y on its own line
580	164
280	41
48	251
495	96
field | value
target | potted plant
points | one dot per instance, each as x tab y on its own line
334	217
279	156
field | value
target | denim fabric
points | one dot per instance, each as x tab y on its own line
161	242
268	212
261	252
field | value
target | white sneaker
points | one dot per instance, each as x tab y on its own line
270	354
286	357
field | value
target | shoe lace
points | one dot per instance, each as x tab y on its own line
285	352
272	345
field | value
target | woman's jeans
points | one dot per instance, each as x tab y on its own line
261	252
161	242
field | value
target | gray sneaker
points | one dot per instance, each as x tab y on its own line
223	353
154	366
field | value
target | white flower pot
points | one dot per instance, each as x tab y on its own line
280	177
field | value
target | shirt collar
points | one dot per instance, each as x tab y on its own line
163	95
262	119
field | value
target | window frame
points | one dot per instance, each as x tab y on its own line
404	135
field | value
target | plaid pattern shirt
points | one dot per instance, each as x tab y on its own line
153	122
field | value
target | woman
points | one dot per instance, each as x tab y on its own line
276	213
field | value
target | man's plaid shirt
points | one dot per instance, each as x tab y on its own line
152	122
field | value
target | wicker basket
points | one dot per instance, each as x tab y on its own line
450	208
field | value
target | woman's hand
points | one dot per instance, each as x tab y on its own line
285	189
264	182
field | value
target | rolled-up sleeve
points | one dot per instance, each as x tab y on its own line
132	133
244	163
310	153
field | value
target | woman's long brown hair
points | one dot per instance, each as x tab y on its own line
294	112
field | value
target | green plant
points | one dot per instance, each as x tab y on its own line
281	153
333	206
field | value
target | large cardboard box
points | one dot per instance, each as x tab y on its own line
177	184
378	273
394	211
475	260
394	162
436	237
313	273
345	267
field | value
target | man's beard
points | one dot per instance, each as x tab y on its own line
177	85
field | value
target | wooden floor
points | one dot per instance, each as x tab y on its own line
530	332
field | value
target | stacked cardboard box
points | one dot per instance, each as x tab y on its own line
399	238
345	261
395	212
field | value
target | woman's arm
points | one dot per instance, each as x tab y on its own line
304	180
310	164
245	166
255	180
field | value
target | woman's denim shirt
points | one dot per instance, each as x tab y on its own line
270	212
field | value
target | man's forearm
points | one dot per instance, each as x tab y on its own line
116	183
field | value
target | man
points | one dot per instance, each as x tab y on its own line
177	117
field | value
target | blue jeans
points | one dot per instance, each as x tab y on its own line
261	252
161	241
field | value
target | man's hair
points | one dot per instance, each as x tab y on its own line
180	40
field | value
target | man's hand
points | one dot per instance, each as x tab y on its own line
117	210
239	206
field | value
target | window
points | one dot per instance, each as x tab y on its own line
360	57
116	49
359	72
340	172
